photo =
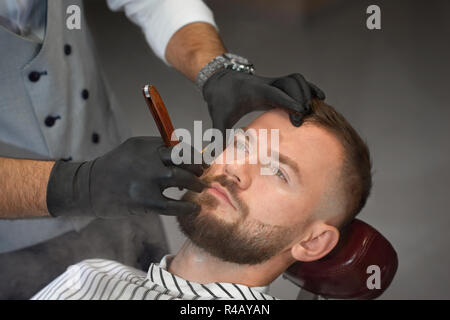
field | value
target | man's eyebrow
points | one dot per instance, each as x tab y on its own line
281	157
287	161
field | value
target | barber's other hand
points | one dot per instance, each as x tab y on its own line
232	94
129	180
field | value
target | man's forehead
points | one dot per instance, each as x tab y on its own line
307	142
279	119
270	120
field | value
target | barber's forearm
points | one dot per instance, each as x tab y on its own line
192	47
23	188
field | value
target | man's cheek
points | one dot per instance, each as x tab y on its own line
270	209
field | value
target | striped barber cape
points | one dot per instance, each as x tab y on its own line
99	279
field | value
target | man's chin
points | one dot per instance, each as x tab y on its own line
227	237
222	215
221	239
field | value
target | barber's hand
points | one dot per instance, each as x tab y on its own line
231	94
129	180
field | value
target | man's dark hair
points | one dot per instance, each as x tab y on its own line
356	175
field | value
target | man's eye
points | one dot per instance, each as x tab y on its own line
239	145
279	173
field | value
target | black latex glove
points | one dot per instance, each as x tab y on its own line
231	94
129	180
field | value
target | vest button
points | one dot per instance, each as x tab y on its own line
85	94
34	76
95	137
50	121
67	49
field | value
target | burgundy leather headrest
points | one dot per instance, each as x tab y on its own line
343	273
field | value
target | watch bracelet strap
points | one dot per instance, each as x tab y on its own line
219	63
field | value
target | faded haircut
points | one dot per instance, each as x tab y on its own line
356	175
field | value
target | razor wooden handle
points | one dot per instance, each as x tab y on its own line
159	113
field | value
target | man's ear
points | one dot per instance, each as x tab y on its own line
322	239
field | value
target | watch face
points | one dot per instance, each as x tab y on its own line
237	59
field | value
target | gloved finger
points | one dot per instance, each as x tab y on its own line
296	119
179	207
194	163
291	87
166	206
306	89
275	97
316	91
198	155
173	155
165	154
296	109
196	169
146	205
298	88
178	177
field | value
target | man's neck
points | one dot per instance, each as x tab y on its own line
194	264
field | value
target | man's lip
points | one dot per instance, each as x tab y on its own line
223	193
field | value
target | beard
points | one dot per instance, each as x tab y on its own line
243	241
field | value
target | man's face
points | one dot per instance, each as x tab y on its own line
248	217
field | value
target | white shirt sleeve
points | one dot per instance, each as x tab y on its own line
160	19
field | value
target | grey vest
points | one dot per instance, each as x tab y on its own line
54	104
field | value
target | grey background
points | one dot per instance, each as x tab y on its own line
391	84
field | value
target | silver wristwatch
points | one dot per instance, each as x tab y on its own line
224	61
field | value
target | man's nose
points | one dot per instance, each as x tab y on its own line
239	173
